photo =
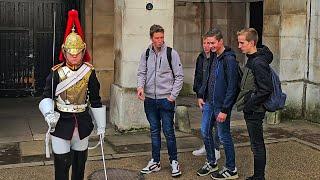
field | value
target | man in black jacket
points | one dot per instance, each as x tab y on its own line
256	87
201	76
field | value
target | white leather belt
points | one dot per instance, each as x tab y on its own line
71	108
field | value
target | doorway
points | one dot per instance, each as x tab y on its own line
26	39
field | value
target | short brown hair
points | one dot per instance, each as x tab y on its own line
155	28
250	33
214	32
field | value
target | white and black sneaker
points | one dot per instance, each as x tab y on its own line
225	173
151	167
207	169
175	168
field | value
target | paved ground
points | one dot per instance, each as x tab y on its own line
293	147
287	160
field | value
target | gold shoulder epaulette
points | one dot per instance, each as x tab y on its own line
54	68
88	64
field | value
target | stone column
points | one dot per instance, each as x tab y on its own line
291	32
131	38
312	112
99	26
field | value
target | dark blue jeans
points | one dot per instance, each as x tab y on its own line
254	123
161	111
207	121
223	133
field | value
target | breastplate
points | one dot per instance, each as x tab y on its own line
74	99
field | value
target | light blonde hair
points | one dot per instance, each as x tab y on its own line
250	33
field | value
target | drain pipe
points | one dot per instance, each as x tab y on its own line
305	83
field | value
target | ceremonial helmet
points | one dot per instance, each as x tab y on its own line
73	38
73	43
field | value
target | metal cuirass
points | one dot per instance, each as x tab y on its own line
74	99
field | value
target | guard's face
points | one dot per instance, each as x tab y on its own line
74	60
206	45
244	45
157	39
216	44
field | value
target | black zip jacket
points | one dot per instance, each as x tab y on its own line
201	75
259	64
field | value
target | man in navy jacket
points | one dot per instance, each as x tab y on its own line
201	78
223	89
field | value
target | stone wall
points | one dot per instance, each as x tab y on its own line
132	24
99	25
291	32
313	73
192	19
187	36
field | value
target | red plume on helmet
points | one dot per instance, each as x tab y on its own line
73	20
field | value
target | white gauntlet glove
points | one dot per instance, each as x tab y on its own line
99	116
52	119
46	107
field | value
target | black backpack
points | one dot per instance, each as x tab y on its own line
169	57
278	98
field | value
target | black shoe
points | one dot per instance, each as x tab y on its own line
62	163
225	173
207	169
254	178
79	159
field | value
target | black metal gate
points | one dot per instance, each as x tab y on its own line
26	32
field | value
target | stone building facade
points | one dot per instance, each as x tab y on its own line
117	34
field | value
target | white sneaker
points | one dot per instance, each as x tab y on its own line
200	152
151	167
175	169
217	154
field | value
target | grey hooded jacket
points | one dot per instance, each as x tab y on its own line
156	77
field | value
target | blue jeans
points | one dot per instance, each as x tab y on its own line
223	133
158	110
207	123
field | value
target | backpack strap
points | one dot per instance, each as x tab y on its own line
169	57
147	57
147	53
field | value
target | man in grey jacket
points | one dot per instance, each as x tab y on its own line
160	79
